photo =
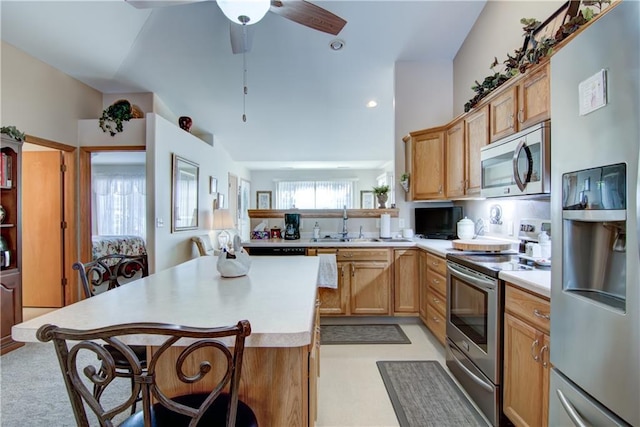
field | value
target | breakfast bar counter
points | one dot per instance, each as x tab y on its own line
277	296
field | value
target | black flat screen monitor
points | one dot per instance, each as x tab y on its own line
438	223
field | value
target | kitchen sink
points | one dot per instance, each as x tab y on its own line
356	240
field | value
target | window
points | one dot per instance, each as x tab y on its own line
119	200
314	194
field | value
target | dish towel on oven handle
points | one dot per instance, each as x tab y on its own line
328	271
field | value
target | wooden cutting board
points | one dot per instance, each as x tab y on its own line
480	245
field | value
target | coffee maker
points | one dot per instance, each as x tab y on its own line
292	226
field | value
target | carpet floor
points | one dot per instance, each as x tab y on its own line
32	391
423	395
363	334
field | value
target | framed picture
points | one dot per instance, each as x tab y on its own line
213	185
367	200
184	194
263	199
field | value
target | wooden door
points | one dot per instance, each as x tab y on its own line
523	373
334	301
534	98
503	114
455	160
428	163
369	287
42	249
476	136
406	269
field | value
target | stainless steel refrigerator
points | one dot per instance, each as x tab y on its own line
595	291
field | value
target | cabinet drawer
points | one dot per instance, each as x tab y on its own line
437	264
438	302
437	282
436	323
530	308
362	255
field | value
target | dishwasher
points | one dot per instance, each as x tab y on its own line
276	250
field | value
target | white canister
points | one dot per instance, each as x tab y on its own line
466	228
407	233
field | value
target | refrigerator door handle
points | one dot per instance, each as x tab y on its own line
570	410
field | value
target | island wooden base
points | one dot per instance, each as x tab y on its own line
275	383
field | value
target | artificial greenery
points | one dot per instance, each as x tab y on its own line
381	189
114	115
404	177
13	132
534	51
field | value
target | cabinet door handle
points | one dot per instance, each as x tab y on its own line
541	315
543	350
532	351
440	189
342	271
435	319
521	116
353	270
435	281
435	300
435	263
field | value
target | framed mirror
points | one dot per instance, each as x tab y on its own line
184	194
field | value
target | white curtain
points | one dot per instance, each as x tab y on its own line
314	194
119	200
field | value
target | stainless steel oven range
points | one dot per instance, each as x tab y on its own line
474	326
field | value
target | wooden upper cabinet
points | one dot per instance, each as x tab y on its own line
504	108
533	98
455	160
425	162
476	136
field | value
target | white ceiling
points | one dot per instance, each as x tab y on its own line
305	105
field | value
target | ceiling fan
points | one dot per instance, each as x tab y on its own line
300	11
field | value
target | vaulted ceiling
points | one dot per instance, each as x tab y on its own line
305	103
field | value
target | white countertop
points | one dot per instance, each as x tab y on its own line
537	281
277	297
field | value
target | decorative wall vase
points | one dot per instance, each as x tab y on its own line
405	185
185	123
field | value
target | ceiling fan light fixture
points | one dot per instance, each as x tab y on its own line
245	12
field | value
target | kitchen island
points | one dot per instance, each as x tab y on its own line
278	297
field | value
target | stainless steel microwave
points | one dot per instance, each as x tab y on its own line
519	164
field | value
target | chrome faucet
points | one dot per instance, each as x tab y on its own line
361	234
345	232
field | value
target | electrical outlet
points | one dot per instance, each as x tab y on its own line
401	223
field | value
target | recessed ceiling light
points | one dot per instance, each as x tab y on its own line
336	44
372	104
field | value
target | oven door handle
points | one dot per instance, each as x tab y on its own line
476	281
486	386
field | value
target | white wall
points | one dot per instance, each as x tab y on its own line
496	32
423	99
42	101
163	139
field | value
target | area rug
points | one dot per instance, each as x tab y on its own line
423	395
363	334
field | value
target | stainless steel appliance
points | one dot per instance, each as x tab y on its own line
276	250
518	164
595	294
474	325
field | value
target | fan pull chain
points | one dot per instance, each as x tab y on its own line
244	74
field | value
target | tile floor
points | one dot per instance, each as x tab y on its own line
350	389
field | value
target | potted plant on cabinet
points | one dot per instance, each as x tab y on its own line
381	194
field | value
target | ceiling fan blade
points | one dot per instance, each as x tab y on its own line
309	15
241	37
148	4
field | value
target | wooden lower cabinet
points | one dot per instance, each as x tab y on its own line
10	308
434	284
364	282
526	358
406	273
